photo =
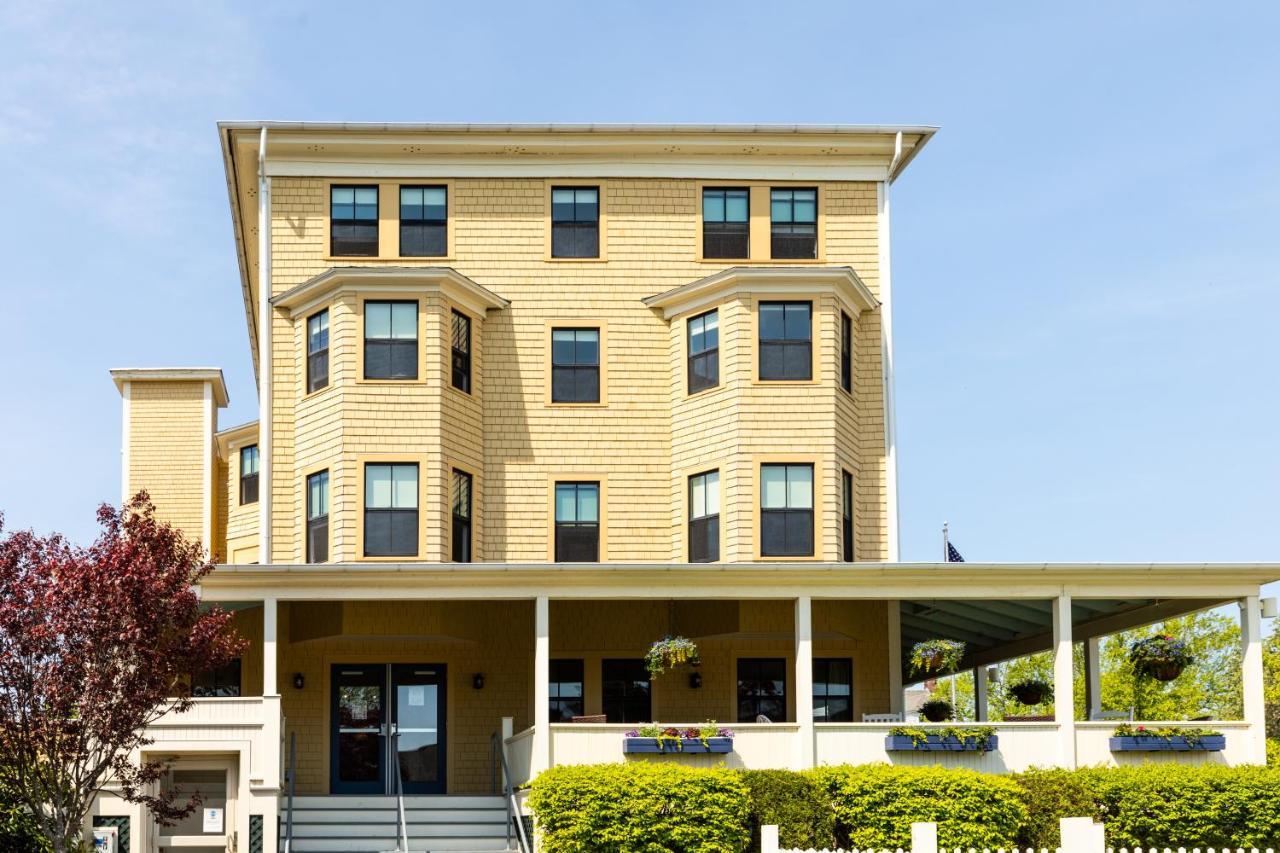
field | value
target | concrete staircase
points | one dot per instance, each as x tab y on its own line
337	824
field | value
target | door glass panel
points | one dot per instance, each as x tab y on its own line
359	732
211	787
419	753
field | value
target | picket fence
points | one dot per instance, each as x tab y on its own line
1079	835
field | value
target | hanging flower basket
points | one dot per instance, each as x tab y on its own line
935	657
937	710
670	652
1161	657
1030	691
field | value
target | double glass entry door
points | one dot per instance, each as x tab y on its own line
388	719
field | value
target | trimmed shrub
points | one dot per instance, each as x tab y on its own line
795	803
875	805
1050	795
640	807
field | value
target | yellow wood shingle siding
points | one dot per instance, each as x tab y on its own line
239	539
167	450
645	438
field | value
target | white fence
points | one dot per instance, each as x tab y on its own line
1079	835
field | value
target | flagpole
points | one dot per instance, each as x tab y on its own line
944	542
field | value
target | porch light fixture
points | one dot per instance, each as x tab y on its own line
477	681
298	681
695	680
1269	609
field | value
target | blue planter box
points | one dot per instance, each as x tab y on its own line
938	743
1211	743
687	745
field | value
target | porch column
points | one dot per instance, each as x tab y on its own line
269	608
1093	676
894	608
541	759
980	691
1064	702
1251	677
261	777
804	679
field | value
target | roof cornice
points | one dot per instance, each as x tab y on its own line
121	375
843	281
234	437
456	286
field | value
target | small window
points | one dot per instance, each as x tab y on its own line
794	223
726	230
704	351
461	349
223	681
575	222
846	353
391	340
318	517
566	690
391	510
577	522
625	689
762	689
786	510
704	517
318	351
832	690
353	221
461	516
249	474
846	517
575	365
786	349
424	222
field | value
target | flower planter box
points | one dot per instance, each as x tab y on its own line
687	745
938	743
1148	743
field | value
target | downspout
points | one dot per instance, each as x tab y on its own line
886	354
265	371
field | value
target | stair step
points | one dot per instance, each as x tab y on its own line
419	830
329	801
392	816
416	845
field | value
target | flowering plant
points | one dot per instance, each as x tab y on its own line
933	657
1162	657
670	652
1031	691
670	735
1191	735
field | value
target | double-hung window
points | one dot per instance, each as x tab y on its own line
704	351
461	516
391	510
575	222
391	340
566	690
221	682
318	517
577	522
704	517
460	348
794	223
625	690
318	351
575	365
762	689
424	222
846	352
353	221
725	223
846	516
786	510
832	690
249	474
786	345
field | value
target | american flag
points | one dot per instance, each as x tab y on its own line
953	556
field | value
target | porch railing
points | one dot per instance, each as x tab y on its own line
514	820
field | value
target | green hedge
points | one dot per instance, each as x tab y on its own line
644	807
640	807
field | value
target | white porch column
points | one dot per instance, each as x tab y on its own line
1251	677
804	679
541	759
264	779
1064	703
1093	675
269	622
895	655
980	692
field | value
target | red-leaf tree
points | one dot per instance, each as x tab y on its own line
94	646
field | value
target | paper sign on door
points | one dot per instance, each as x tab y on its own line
417	696
213	820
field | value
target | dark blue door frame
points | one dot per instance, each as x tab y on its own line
409	676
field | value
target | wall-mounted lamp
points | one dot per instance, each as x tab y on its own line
695	680
993	674
477	681
1269	609
298	681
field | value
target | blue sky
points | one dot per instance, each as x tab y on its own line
1085	257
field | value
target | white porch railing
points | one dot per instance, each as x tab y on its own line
1021	745
225	724
755	745
519	749
1093	745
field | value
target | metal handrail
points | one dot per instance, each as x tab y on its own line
509	794
402	830
293	773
